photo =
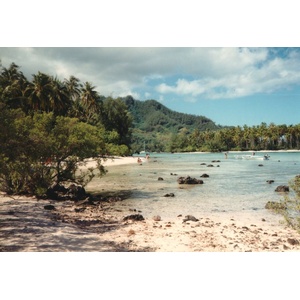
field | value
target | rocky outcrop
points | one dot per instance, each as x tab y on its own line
60	192
204	176
282	188
189	180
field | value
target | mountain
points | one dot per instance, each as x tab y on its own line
155	124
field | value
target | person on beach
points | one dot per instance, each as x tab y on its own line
139	160
147	156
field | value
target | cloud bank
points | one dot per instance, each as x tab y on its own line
190	73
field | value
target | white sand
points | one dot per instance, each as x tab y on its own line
27	226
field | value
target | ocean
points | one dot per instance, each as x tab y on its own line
234	186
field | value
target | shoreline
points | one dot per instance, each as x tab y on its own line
26	226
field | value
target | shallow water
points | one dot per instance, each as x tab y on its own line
234	186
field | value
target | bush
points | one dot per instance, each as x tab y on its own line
292	212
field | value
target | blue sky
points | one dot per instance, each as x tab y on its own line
230	85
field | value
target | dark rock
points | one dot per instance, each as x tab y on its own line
49	207
260	165
215	161
204	176
189	180
293	241
190	218
160	178
136	217
60	192
270	181
282	188
203	164
210	166
169	195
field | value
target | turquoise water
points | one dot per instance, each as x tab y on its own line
233	186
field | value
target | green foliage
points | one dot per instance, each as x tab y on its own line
45	149
292	212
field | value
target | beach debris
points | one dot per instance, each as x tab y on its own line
190	218
80	209
131	232
270	181
204	175
169	195
114	199
136	217
189	180
160	179
156	218
282	188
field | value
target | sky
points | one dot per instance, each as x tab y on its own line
229	85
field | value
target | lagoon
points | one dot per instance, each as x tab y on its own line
234	186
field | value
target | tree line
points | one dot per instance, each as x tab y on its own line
260	137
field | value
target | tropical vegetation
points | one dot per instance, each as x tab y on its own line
49	126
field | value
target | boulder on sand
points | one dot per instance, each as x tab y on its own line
189	180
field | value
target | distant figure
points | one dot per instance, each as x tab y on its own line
139	160
147	156
253	153
226	154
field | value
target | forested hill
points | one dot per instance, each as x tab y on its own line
151	115
155	124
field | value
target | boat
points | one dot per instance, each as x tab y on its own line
253	157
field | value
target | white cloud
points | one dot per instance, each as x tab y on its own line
189	72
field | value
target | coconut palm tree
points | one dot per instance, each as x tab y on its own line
39	91
12	86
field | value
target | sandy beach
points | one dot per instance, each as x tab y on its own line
26	226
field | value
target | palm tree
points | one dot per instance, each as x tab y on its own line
59	97
39	91
73	87
13	84
90	101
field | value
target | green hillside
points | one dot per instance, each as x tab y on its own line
156	125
